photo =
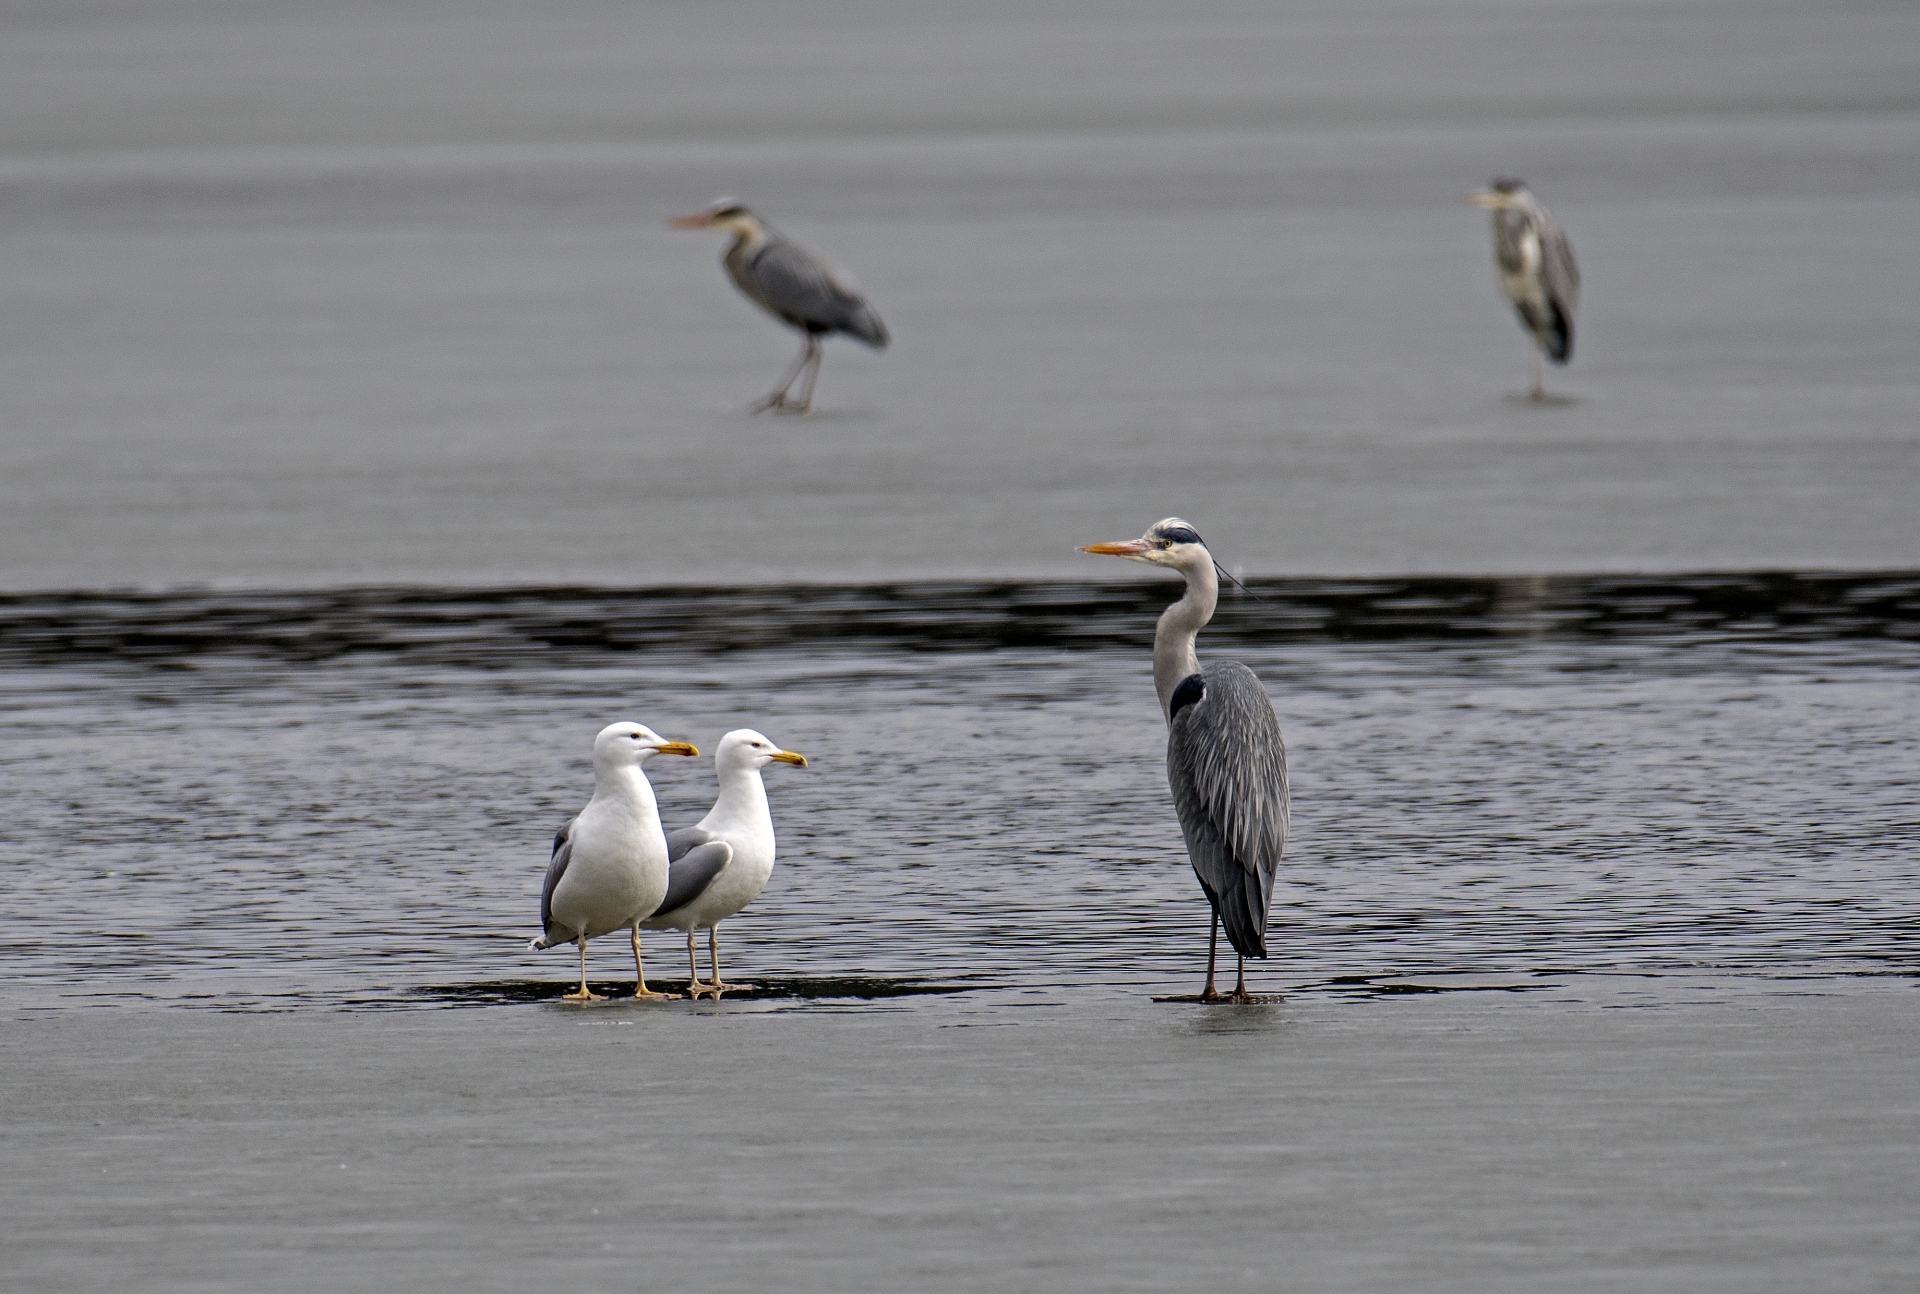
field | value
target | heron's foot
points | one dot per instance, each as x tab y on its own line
779	403
697	989
720	986
645	994
582	994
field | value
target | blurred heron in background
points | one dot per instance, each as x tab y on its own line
794	286
1536	269
1226	760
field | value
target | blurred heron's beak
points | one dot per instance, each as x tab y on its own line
700	220
1490	200
790	757
677	748
1134	548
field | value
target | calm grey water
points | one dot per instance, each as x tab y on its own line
313	293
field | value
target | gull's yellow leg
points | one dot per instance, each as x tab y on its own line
585	994
694	987
713	957
640	989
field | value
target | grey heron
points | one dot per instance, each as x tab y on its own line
722	863
794	286
1535	264
1226	759
609	864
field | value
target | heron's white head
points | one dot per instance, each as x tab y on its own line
1170	542
746	749
623	744
1504	195
724	213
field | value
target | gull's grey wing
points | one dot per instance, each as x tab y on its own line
1562	280
695	870
679	842
1227	764
556	868
799	287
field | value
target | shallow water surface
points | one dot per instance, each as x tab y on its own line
1495	783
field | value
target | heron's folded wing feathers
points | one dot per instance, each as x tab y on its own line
1227	764
799	286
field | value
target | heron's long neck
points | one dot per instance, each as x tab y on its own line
1173	657
748	237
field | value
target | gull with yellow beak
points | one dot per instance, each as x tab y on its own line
1535	264
721	864
609	865
794	286
1226	759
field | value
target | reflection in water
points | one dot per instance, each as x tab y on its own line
339	795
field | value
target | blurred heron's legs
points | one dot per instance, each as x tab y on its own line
1539	391
585	994
640	989
694	987
1240	988
812	374
713	959
778	398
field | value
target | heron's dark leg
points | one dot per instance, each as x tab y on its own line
640	988
778	398
1240	988
713	959
585	994
811	375
1209	993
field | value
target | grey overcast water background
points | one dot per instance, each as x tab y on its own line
367	441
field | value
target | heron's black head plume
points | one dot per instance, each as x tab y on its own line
1507	184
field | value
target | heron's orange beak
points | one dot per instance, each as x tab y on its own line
677	748
1119	548
700	220
789	757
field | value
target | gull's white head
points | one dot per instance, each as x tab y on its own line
1170	542
621	744
745	748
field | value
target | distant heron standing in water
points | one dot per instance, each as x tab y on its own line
1226	760
1536	269
721	864
609	865
794	286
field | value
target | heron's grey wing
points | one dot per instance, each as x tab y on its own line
692	873
1562	278
1227	763
556	868
800	288
679	842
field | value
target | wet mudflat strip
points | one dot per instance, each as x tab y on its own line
498	626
